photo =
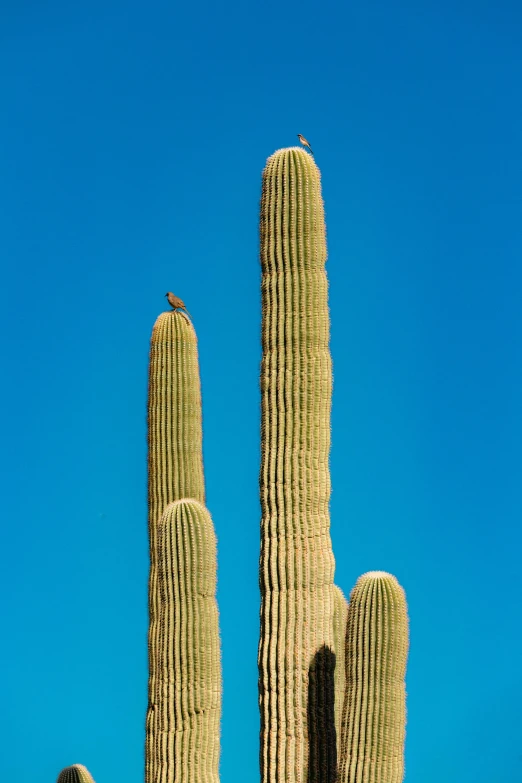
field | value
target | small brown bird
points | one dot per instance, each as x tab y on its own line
304	142
176	303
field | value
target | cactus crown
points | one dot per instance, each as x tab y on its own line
76	773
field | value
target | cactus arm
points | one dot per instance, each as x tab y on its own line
339	630
374	710
186	715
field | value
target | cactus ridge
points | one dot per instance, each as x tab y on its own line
339	630
76	773
186	712
296	560
374	710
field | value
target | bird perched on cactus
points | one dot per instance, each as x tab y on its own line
304	142
176	303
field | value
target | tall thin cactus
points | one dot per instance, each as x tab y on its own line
304	617
296	561
182	724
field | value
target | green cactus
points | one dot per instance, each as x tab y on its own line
331	673
296	561
374	710
182	724
76	773
303	616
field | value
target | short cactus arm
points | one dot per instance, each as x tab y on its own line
374	712
183	723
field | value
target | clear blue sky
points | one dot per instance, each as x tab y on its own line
132	140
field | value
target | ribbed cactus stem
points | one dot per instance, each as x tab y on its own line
339	631
174	415
296	562
374	713
183	723
175	459
76	773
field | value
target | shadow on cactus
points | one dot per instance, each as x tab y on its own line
322	745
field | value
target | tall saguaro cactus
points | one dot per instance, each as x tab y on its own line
182	725
296	561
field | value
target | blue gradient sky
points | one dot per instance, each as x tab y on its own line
132	140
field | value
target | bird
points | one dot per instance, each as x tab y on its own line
176	303
304	142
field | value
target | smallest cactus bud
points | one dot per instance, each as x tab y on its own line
76	773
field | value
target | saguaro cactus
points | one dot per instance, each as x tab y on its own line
312	642
76	773
374	711
182	725
296	561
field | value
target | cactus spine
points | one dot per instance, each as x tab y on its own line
374	711
296	561
182	724
76	773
